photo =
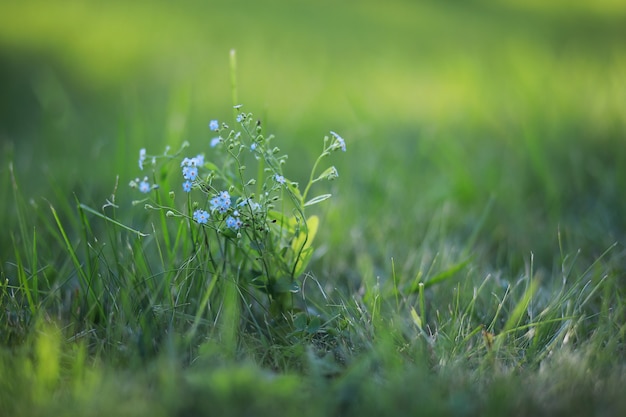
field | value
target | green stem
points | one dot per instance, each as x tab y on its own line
312	177
233	81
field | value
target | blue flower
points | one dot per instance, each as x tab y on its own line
279	179
221	202
240	118
215	141
214	125
225	197
201	216
144	186
253	146
190	173
230	222
233	222
254	206
142	157
187	186
339	142
216	204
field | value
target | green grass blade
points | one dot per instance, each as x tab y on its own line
115	222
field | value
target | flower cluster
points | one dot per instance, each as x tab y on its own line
339	142
253	205
142	185
234	212
234	222
190	170
221	202
201	216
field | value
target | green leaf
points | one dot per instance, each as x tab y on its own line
115	222
304	239
303	261
317	199
448	273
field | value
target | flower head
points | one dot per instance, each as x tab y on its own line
221	202
187	186
142	157
201	216
279	179
233	222
214	125
144	186
215	141
339	142
190	172
254	206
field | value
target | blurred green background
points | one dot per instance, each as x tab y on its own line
494	123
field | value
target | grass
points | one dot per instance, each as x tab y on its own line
470	262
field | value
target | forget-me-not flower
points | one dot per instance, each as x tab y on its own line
142	157
233	222
190	173
201	216
214	125
221	202
254	206
340	142
144	186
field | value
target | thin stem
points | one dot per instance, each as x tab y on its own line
312	177
233	81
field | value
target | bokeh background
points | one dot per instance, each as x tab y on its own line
497	124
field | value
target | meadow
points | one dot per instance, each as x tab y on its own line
470	260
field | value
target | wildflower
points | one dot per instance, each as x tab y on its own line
330	174
142	157
339	142
240	118
201	216
279	179
233	222
144	186
196	161
254	206
214	125
253	146
215	141
190	172
225	197
221	202
187	186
